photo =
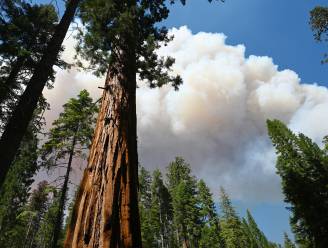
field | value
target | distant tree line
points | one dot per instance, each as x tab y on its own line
179	211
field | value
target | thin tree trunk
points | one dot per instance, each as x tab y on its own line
11	79
17	125
106	211
62	199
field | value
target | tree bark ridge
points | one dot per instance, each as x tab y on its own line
106	210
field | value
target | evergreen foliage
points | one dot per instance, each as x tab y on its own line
179	211
69	138
287	242
16	190
75	122
161	211
182	186
232	230
255	237
303	167
210	226
25	30
319	25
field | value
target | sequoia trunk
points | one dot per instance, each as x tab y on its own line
106	210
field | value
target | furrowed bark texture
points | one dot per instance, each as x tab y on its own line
106	210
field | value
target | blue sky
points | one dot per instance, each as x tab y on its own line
274	28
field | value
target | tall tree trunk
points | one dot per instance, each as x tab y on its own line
62	200
10	81
17	125
106	210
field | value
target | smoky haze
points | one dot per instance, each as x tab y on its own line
216	121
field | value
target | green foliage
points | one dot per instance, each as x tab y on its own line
147	233
319	25
16	190
210	226
122	29
25	30
303	168
232	229
161	211
75	122
182	187
44	235
34	215
180	212
69	137
256	238
116	32
287	242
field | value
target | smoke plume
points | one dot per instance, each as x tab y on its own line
216	121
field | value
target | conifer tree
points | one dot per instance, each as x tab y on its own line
287	242
182	187
147	229
17	124
34	213
210	227
161	211
231	227
120	38
15	193
25	30
256	238
303	168
69	137
45	233
319	25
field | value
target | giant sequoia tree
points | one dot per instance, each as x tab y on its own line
120	38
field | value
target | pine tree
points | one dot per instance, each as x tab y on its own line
25	29
16	190
231	227
182	187
121	39
45	233
23	113
147	232
287	242
69	137
161	211
256	238
303	168
210	226
319	25
34	213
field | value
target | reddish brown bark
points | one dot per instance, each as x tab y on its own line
106	210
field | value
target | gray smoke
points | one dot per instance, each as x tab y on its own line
216	121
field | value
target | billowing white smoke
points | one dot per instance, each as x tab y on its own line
216	121
217	118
